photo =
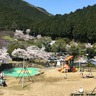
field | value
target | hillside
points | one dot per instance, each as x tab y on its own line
79	25
18	13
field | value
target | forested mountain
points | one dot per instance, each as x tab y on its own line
79	25
18	13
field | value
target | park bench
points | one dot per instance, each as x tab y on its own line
77	94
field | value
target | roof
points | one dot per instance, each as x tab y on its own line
68	58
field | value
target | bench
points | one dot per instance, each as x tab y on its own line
90	94
77	94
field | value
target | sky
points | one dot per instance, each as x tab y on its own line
61	6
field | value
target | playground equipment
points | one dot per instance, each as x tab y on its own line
23	72
69	66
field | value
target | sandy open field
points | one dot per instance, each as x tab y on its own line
51	83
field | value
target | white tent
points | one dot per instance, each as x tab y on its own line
81	60
93	61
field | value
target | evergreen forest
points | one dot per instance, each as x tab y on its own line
79	26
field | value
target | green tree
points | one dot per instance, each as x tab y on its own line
13	46
59	46
91	52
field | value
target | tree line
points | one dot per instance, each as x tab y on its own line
79	25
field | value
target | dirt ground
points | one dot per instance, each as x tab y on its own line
51	83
